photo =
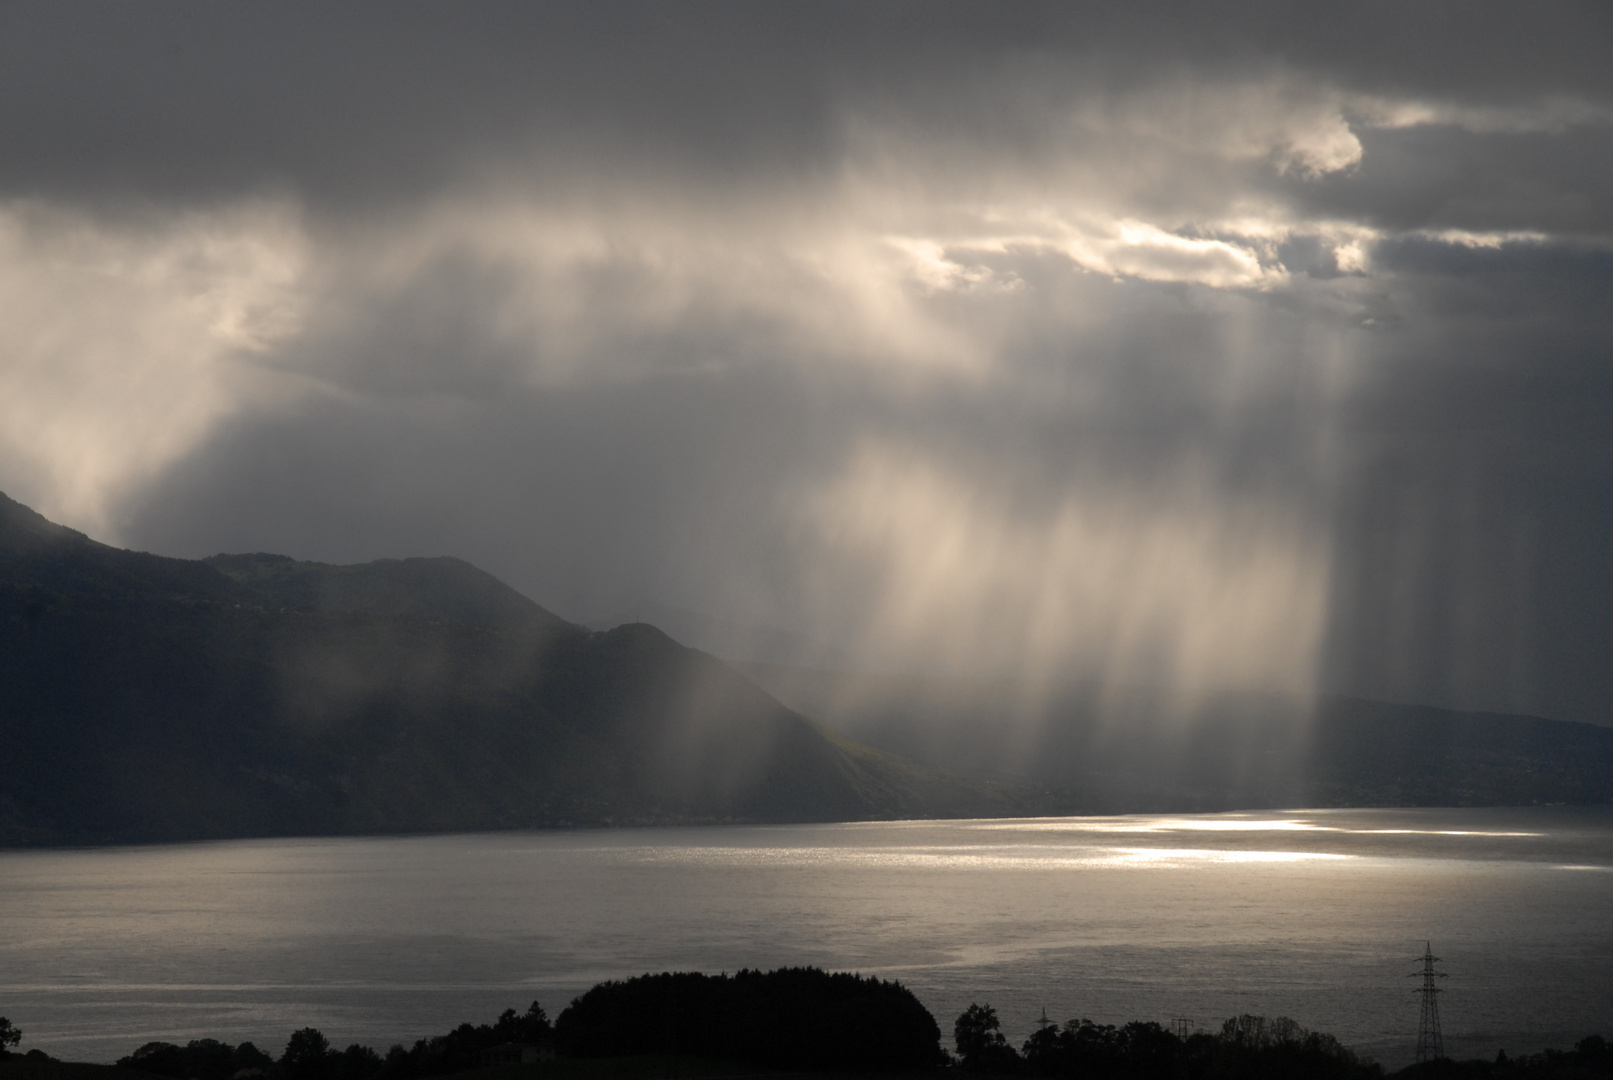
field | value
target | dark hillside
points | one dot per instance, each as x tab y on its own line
1368	753
36	553
1097	751
146	699
441	588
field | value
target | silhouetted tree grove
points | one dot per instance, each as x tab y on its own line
461	1048
309	1056
798	1018
1590	1059
1139	1049
982	1047
1259	1048
200	1059
804	1018
9	1036
1247	1048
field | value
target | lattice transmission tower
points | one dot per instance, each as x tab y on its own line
1430	1044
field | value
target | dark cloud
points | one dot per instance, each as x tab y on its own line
1242	346
1475	518
1443	177
375	101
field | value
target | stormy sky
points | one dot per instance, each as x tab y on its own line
1216	347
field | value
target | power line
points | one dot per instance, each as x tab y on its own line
1430	1044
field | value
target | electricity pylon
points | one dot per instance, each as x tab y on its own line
1430	1044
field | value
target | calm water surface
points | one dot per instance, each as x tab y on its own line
1318	915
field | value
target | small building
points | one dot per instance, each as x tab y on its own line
514	1053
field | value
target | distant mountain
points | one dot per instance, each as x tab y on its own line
1091	749
144	698
1369	753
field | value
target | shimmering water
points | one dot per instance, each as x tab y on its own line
1318	915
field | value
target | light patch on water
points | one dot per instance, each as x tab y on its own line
1148	825
1021	857
1182	824
1215	855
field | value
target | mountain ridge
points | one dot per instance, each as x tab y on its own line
145	698
431	587
149	699
1089	749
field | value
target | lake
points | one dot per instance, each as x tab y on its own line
1319	915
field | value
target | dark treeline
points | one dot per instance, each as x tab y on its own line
807	1019
792	1018
309	1056
200	1059
1591	1057
1246	1048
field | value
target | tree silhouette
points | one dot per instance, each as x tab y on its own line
533	1027
158	1059
791	1018
981	1044
307	1056
356	1063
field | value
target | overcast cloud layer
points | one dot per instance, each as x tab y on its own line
1254	348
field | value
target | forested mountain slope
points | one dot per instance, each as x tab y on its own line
144	698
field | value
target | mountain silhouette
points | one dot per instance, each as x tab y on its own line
145	698
1091	748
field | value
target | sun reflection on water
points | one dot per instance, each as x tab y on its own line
1017	857
1214	855
1215	824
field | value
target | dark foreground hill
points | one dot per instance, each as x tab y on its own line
1091	750
145	698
